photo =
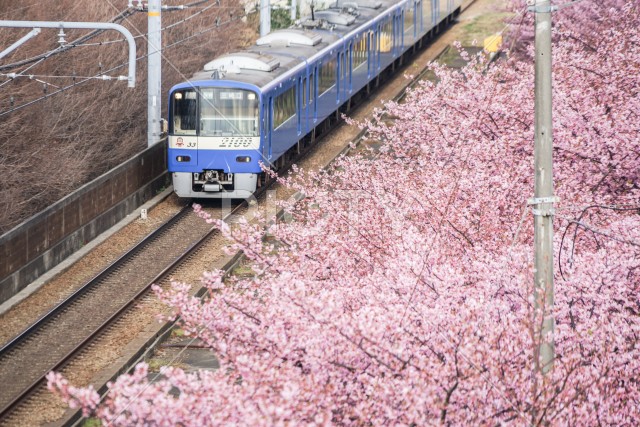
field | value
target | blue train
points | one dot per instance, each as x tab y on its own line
255	106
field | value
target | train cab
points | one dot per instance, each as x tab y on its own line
214	139
215	134
246	110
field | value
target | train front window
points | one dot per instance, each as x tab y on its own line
228	112
184	111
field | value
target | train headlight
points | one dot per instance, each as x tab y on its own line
243	159
183	158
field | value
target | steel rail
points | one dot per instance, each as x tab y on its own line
89	285
193	248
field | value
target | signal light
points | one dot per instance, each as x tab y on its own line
183	158
243	159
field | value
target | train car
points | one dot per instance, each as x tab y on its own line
249	108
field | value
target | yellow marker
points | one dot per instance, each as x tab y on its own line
493	43
154	13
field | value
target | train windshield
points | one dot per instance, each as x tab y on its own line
184	111
221	112
228	112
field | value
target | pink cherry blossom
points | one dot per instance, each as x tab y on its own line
400	290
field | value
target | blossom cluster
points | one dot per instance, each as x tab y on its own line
400	290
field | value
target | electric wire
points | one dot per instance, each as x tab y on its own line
23	71
122	15
218	24
119	17
175	24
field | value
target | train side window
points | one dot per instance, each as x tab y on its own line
409	19
385	37
360	52
285	107
327	78
277	111
311	88
184	111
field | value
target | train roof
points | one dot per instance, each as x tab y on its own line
283	50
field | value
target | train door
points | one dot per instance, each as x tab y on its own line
299	105
350	69
339	81
400	33
343	75
400	30
270	128
435	9
427	17
371	46
418	14
313	104
444	7
411	23
377	50
264	132
304	104
394	35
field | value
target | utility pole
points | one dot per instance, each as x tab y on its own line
543	200
154	72
265	17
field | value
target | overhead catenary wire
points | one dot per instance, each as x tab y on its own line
218	24
38	76
101	76
122	15
23	71
175	24
119	17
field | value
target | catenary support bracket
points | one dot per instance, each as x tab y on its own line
131	80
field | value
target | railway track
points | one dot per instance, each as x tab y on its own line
60	335
50	343
63	332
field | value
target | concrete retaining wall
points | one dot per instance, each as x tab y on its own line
46	239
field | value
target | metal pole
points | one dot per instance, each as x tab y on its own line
20	42
293	10
154	72
265	17
543	198
88	26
